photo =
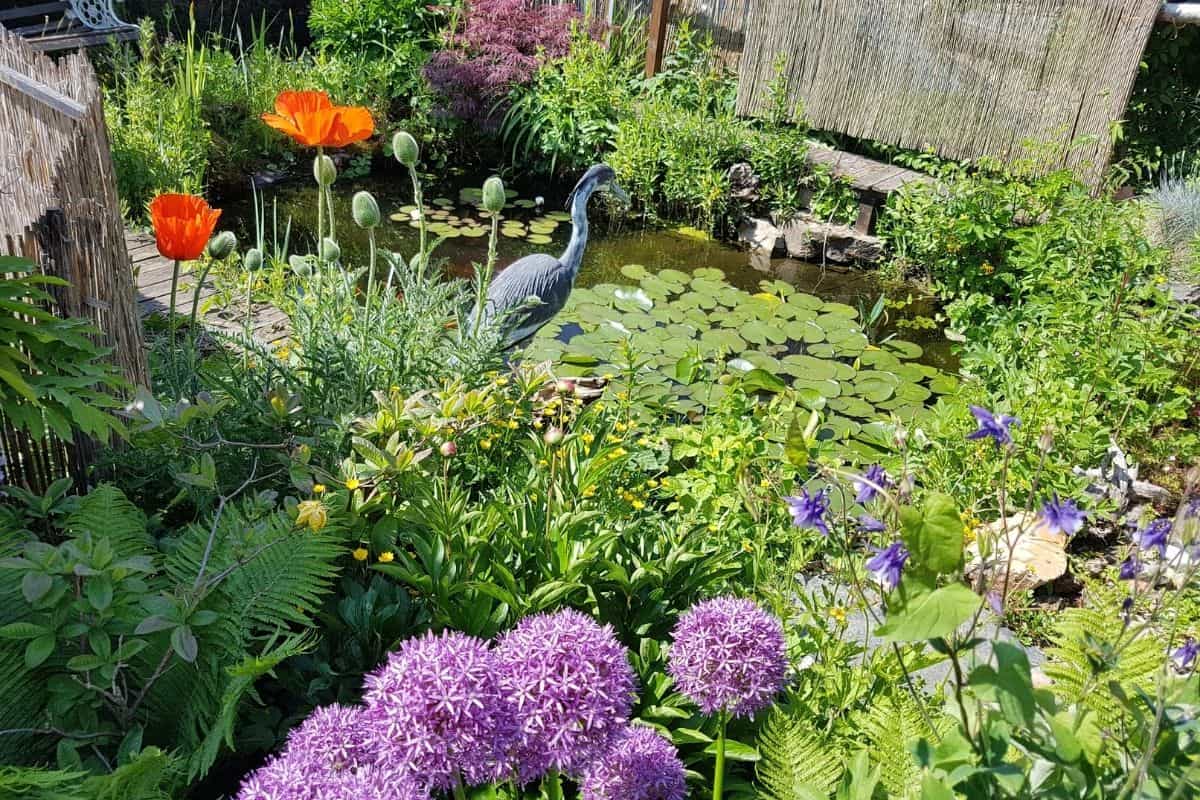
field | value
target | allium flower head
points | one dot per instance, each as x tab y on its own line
1062	516
332	739
1185	656
865	486
375	782
641	765
436	708
572	687
994	426
808	511
728	654
280	778
1154	536
887	564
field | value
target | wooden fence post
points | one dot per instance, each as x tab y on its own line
657	38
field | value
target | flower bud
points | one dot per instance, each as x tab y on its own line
564	386
221	245
330	250
253	260
1046	440
365	210
553	436
448	449
493	195
324	170
300	265
404	147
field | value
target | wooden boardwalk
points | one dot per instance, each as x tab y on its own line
153	275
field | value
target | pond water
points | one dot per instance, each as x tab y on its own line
534	224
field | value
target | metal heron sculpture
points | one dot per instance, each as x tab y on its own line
533	289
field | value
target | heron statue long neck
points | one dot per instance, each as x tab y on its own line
572	257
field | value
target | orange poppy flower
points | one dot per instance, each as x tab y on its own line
183	224
313	121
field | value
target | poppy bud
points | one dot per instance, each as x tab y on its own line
404	147
330	250
300	265
253	260
324	170
221	245
365	210
448	449
493	194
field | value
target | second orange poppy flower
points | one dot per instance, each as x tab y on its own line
314	121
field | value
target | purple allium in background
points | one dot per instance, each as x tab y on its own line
1154	536
870	524
641	765
370	783
1062	516
865	486
572	688
728	654
1130	568
995	426
887	564
808	511
1185	656
436	709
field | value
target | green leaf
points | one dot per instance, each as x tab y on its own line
99	591
735	751
1011	682
38	650
933	535
22	630
759	380
35	585
918	613
153	624
183	641
934	789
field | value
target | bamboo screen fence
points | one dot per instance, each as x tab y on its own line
968	78
59	209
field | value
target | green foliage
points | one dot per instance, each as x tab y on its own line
148	775
369	25
53	376
796	763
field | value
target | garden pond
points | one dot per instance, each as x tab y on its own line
689	307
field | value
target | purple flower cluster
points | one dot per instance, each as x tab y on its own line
641	765
728	655
887	564
437	707
1063	516
868	485
1154	536
993	426
572	688
808	511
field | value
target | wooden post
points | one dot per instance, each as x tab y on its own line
1180	13
657	38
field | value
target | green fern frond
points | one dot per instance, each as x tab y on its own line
106	512
890	725
796	764
23	706
150	775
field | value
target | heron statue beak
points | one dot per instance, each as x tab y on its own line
618	193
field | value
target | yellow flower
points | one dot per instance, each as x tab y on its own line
513	424
638	505
502	381
839	614
543	462
486	444
643	442
764	483
533	496
620	451
589	491
386	556
319	488
712	527
312	513
620	427
361	554
612	437
608	376
747	547
352	483
588	438
652	484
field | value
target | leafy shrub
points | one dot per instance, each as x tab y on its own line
370	25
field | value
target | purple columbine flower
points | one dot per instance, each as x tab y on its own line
865	486
728	655
887	564
1186	656
870	524
994	426
437	709
1062	516
641	765
1130	568
572	687
1154	536
808	511
996	602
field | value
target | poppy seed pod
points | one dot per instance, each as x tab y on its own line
493	194
405	148
365	210
221	245
253	260
324	170
300	265
330	250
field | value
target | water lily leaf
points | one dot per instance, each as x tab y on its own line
809	368
635	297
635	272
710	273
538	238
906	350
580	359
913	392
740	365
805	301
759	380
758	332
943	384
827	389
840	309
852	406
674	276
777	287
722	340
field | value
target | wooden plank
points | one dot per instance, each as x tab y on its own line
22	12
49	44
657	36
44	94
901	180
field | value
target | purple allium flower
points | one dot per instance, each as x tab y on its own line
1154	536
865	486
870	525
1062	516
372	782
571	685
808	511
1130	568
437	709
332	739
887	564
1185	656
280	778
641	765
728	655
995	426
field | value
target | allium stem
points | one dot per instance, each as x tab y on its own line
719	769
553	785
460	792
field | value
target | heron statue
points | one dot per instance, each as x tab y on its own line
528	294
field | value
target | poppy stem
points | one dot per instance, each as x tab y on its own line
419	200
370	289
171	310
248	328
196	304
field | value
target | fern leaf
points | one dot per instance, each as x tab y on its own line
891	723
106	512
796	763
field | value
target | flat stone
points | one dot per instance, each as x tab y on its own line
760	235
811	240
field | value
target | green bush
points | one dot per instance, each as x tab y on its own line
374	26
